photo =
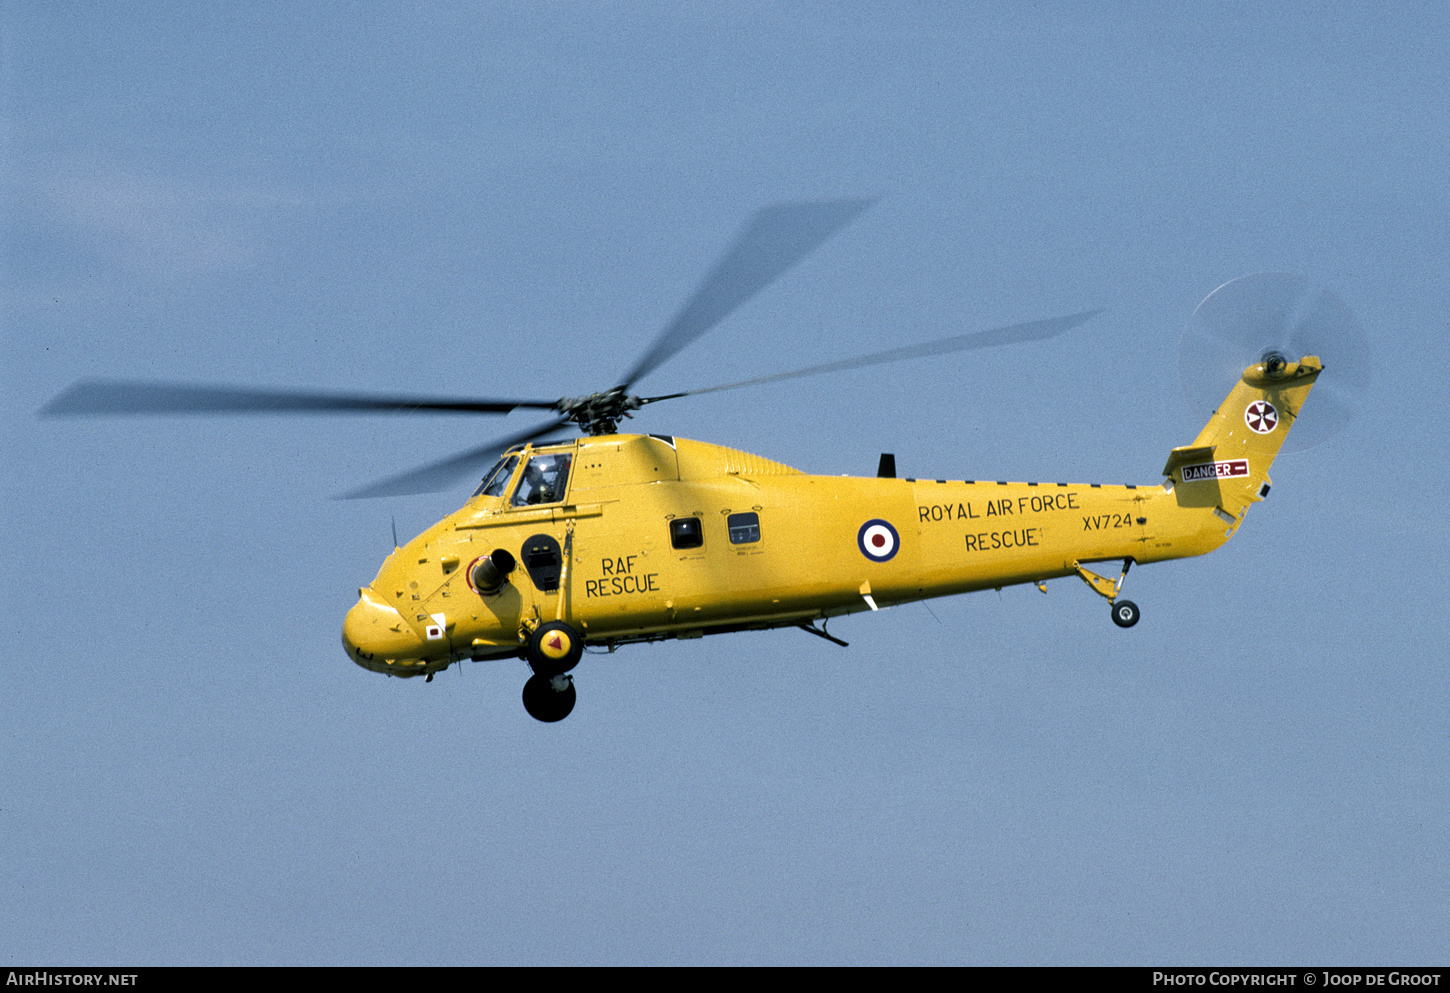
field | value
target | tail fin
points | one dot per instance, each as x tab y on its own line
1227	466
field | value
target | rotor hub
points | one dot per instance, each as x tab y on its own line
599	413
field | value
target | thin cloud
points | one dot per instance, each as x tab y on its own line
167	227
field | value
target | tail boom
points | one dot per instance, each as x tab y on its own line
1214	481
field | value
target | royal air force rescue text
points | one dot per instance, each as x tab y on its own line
1027	537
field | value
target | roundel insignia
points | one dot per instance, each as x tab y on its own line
878	540
555	645
1261	417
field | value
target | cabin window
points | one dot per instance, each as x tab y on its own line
493	484
686	532
744	528
544	479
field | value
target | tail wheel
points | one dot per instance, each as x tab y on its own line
546	701
1125	613
554	648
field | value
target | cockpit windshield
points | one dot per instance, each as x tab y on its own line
498	479
544	479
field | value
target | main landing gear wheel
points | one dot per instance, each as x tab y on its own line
1125	613
549	699
553	648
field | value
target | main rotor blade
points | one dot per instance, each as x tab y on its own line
775	239
99	397
1010	335
440	475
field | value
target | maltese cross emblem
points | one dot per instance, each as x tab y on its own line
1261	417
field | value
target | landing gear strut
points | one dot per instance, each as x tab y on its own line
551	650
1125	612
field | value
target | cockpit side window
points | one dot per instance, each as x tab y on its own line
494	483
544	479
744	529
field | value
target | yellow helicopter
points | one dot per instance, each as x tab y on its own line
611	539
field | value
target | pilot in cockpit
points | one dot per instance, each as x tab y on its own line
543	480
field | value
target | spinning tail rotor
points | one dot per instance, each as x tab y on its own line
1254	318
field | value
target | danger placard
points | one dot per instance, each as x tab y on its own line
1215	470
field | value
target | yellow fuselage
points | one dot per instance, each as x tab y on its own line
611	567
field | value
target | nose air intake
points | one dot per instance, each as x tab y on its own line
489	574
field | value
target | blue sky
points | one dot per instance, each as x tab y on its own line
512	200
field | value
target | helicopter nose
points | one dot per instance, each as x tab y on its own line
376	637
